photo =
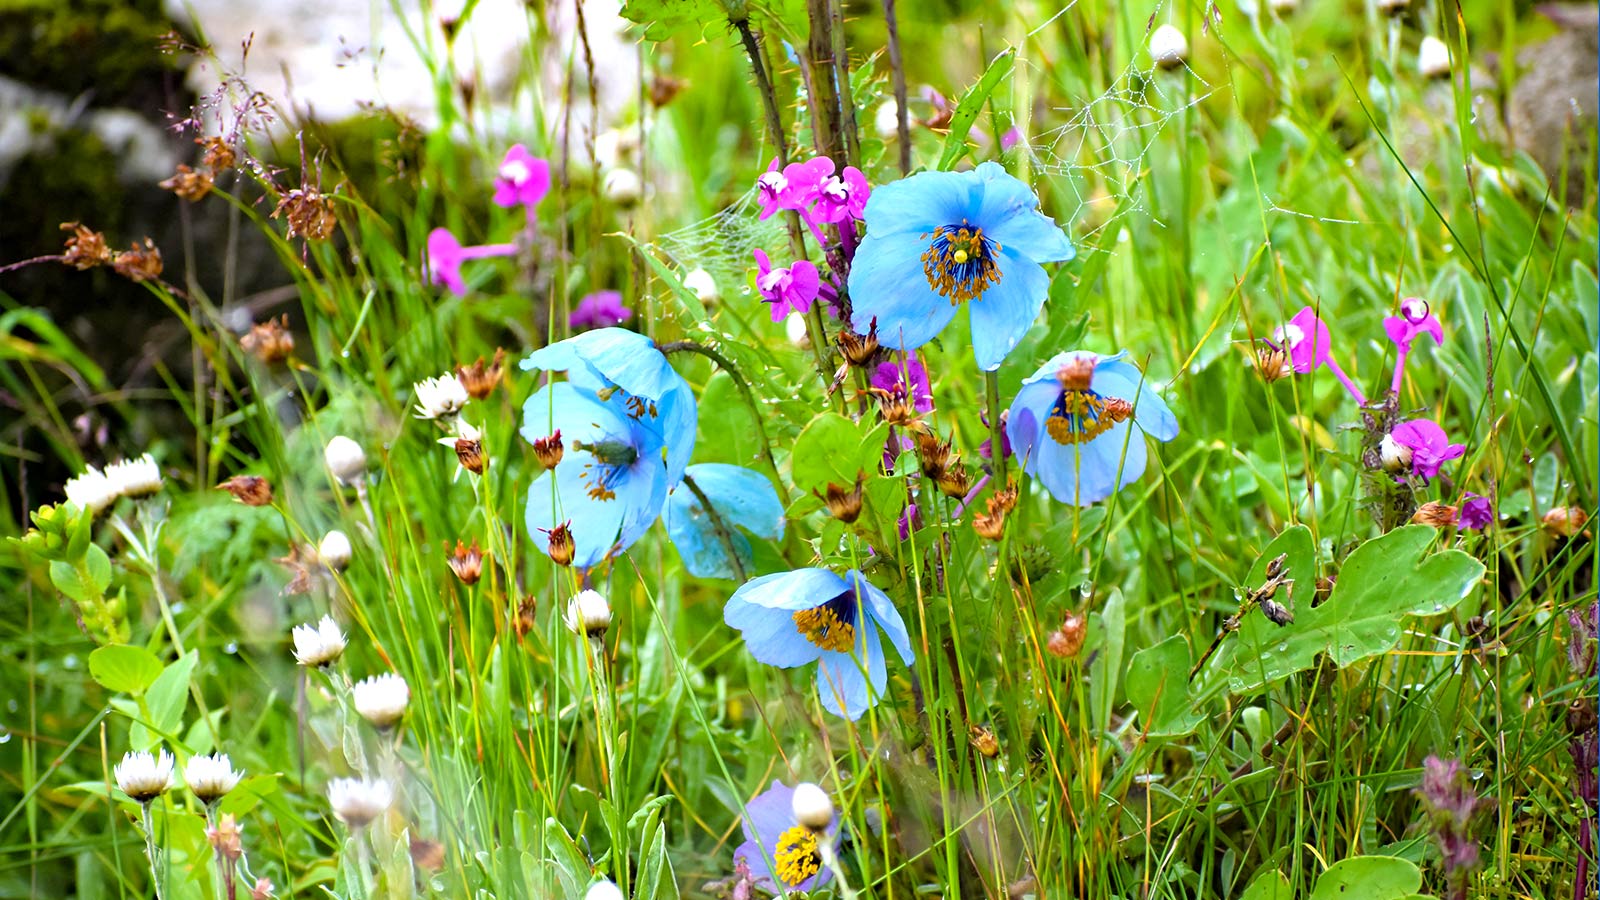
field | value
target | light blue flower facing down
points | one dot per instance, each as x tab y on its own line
742	498
612	479
1070	425
937	240
789	619
615	358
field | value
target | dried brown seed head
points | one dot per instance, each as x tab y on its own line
549	450
480	380
562	547
467	562
85	248
251	490
138	263
189	184
269	341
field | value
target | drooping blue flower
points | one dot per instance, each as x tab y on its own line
656	396
937	240
790	619
777	848
1070	425
612	479
742	498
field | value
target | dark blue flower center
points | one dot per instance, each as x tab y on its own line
1080	416
831	626
612	458
960	262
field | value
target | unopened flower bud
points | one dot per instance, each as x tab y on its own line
886	121
549	450
1395	456
262	890
1564	521
427	854
703	286
479	379
1439	515
524	621
812	807
357	801
953	480
794	328
1168	47
588	613
382	699
226	837
859	349
843	503
1276	612
623	187
984	741
467	562
210	777
269	341
251	490
603	890
345	458
990	527
1433	58
335	551
469	452
562	547
1066	641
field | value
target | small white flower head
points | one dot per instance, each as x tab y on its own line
319	645
794	328
812	807
210	777
616	147
346	459
144	776
623	187
1168	47
702	285
603	890
92	491
1289	336
382	699
335	551
588	613
440	398
1395	456
357	801
1433	58
886	121
134	477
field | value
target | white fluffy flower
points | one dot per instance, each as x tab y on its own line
334	550
702	285
382	699
440	398
603	890
357	801
588	613
318	645
623	187
1168	47
91	491
345	459
811	805
144	776
794	328
134	477
210	777
1433	58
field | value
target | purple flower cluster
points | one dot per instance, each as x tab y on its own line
1451	804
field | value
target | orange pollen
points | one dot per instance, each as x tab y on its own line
960	263
1081	416
822	627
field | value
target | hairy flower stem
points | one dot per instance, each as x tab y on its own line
991	387
150	850
720	526
820	84
902	127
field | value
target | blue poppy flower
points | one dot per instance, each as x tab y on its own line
1070	425
612	359
793	618
742	498
936	240
611	481
777	847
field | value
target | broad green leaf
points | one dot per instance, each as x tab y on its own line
165	700
123	668
834	449
1106	629
1385	580
248	794
1269	885
1158	687
661	18
1369	878
961	121
727	426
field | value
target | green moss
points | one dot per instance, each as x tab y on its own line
72	46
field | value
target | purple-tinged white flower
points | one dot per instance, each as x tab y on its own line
1308	343
794	187
842	198
1430	447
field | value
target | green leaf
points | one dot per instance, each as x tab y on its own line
955	143
727	426
248	794
834	449
1269	885
165	701
124	669
1383	581
1158	687
1369	878
1106	629
691	301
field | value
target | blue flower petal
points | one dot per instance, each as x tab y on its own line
1083	474
844	689
1117	378
1006	310
887	283
918	204
882	611
1009	213
743	498
770	634
792	590
755	858
768	815
559	496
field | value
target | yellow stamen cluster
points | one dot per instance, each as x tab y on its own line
796	855
597	487
959	262
1082	416
638	407
821	626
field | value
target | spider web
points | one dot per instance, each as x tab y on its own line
1092	151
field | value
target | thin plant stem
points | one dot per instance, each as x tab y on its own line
991	389
150	851
720	527
902	125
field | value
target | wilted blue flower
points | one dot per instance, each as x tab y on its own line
742	498
608	359
790	619
936	240
1069	425
612	479
777	847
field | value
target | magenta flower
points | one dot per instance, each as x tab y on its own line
795	187
841	199
788	290
1010	138
1477	513
445	256
907	379
1415	319
1309	344
523	179
601	309
1430	447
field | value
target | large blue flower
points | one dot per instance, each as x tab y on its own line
742	498
609	359
1070	425
793	618
611	481
936	240
777	847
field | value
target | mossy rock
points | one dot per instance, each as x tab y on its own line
110	47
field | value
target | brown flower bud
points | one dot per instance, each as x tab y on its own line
427	854
1276	612
467	562
991	526
189	184
859	349
843	503
1076	373
1434	513
1564	521
218	155
251	490
138	263
900	410
470	452
933	454
85	249
310	213
984	741
562	547
262	890
524	622
269	341
226	837
1066	641
953	480
663	88
1272	362
480	380
549	450
1003	501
